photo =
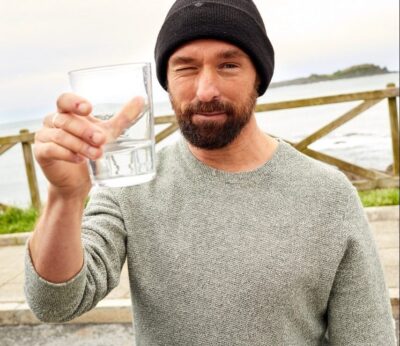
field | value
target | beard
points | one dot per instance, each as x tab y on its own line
214	134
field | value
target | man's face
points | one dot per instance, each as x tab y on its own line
212	87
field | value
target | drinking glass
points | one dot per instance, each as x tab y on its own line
130	159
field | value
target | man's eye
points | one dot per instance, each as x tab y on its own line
184	69
230	66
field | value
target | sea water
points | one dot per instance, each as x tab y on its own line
364	141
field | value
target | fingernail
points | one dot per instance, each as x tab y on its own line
97	137
83	107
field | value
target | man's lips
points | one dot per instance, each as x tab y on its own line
214	116
210	114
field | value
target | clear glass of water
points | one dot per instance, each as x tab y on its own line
130	159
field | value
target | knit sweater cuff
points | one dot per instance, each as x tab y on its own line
46	298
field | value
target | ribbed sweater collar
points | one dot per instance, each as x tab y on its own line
202	172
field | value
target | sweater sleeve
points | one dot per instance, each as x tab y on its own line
104	243
359	311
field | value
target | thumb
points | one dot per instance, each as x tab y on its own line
126	117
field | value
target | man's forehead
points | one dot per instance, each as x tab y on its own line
198	48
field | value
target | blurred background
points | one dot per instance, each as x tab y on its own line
42	41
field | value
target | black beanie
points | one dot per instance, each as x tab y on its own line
235	21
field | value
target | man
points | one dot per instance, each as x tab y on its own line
240	240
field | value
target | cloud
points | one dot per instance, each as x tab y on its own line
313	36
42	40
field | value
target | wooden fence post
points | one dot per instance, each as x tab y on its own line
394	126
30	172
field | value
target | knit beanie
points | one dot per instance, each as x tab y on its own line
235	21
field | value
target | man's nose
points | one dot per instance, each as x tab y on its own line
207	87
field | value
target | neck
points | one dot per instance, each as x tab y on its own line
250	150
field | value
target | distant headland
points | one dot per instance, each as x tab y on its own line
350	72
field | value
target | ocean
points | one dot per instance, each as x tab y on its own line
364	141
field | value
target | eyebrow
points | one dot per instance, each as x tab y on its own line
231	53
226	54
181	60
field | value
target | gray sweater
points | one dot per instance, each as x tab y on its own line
276	256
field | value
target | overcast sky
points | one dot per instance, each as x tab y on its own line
41	40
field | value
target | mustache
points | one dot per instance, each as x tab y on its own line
209	107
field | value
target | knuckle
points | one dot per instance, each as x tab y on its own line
63	121
83	147
86	132
47	151
58	135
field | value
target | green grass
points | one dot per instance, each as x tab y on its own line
378	198
16	220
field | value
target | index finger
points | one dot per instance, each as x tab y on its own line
72	103
126	116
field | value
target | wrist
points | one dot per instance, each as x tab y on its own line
75	197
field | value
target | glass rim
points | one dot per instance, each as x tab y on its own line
108	67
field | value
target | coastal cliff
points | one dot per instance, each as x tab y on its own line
350	72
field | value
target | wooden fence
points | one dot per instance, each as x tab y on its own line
26	139
367	178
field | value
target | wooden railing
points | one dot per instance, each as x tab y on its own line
368	178
26	139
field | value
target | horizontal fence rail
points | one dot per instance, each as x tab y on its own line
368	178
26	139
